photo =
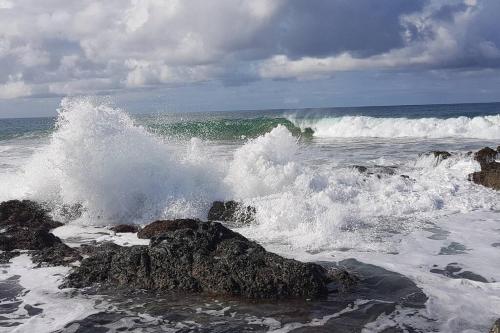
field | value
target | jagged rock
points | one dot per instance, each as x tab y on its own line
25	225
124	228
88	250
440	154
376	170
489	175
25	213
157	228
58	255
6	256
231	211
19	238
485	156
207	258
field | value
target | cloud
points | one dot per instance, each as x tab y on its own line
59	47
14	88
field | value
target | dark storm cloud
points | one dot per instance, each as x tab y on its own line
324	28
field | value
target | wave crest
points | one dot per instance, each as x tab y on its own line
481	127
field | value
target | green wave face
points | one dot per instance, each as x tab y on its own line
224	129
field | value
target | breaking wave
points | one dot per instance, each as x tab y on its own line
481	127
119	172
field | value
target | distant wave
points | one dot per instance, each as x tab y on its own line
222	129
483	127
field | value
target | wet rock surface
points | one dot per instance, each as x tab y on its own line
158	228
124	228
25	213
454	271
209	258
453	248
5	257
489	175
25	225
231	211
376	170
440	154
383	293
57	255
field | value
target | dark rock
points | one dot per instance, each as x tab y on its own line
376	170
88	250
440	155
125	228
489	178
407	177
158	228
58	255
453	248
455	272
485	156
207	258
6	256
489	175
26	213
360	168
25	226
231	211
19	238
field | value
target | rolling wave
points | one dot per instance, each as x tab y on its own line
481	127
222	129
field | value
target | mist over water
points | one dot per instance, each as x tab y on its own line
311	200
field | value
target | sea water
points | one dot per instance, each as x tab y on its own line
411	214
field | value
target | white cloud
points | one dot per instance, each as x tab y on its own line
67	47
14	88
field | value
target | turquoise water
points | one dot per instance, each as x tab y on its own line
250	124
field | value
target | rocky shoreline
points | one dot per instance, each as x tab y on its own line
194	256
184	255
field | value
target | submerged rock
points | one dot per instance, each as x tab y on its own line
489	175
440	154
125	228
231	211
207	258
378	171
454	271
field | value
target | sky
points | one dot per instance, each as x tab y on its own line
199	55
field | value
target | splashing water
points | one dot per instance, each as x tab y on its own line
118	171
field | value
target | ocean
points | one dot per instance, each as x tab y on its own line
409	217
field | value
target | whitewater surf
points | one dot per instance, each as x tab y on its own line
356	190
